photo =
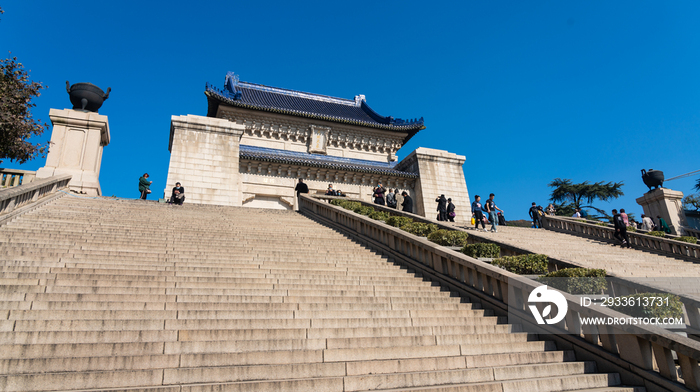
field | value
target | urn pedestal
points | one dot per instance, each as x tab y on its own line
77	140
667	204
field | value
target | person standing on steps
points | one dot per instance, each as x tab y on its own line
442	208
663	225
391	199
399	199
477	213
407	202
551	210
620	229
300	188
491	208
144	186
577	213
647	223
535	216
379	194
178	196
450	211
624	216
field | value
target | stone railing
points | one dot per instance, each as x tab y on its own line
15	177
16	197
660	245
618	285
645	352
692	232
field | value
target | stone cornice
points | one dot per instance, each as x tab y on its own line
83	120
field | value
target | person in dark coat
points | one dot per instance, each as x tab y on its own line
442	208
620	229
407	202
144	186
178	196
450	211
301	187
379	194
535	216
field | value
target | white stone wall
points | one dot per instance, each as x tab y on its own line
440	174
204	159
77	140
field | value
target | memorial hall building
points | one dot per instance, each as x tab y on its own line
257	141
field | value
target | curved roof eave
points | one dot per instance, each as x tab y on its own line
215	98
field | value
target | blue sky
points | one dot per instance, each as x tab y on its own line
527	91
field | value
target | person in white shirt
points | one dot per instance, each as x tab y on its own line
647	223
577	214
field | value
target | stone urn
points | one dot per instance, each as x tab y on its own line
653	178
86	96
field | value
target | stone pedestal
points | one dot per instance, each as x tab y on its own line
667	204
440	173
77	140
204	158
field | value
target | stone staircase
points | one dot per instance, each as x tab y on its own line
100	294
663	272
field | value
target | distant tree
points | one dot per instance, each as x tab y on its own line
576	195
564	209
692	202
16	122
697	185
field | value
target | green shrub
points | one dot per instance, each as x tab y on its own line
523	264
601	223
337	202
657	233
631	229
481	250
379	215
674	308
577	280
420	229
689	239
398	221
364	210
448	237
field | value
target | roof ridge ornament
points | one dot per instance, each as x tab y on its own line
231	86
359	99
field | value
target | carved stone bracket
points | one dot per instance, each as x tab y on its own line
246	197
301	132
272	169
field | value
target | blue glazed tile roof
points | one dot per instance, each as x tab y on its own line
322	161
297	103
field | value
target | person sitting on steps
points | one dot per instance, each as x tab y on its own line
178	196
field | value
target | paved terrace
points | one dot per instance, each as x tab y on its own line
622	262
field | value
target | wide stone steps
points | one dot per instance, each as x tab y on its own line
104	294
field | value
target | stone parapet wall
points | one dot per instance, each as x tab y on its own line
204	159
440	172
